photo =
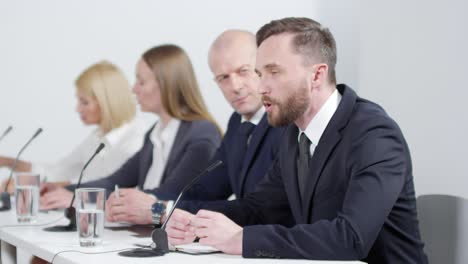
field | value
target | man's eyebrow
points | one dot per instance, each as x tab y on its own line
271	66
244	65
220	75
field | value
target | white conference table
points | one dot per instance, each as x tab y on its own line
18	243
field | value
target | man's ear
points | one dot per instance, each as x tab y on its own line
320	73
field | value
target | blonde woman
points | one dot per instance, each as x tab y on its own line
105	100
177	148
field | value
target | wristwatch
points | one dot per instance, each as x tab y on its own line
158	209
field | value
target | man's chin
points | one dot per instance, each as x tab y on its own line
273	120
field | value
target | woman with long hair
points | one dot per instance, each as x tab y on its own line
177	148
104	100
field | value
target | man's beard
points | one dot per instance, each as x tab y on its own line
290	110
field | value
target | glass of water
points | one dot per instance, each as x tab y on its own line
27	196
90	215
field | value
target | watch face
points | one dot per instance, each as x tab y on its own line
158	208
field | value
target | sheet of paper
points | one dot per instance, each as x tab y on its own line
116	224
196	248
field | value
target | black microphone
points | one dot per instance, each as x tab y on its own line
159	236
70	212
6	132
5	196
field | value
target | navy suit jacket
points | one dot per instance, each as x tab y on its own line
230	178
193	148
360	199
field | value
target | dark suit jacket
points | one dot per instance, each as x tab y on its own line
360	201
193	148
233	177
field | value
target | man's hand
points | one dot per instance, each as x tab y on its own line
132	206
56	198
48	187
178	228
216	230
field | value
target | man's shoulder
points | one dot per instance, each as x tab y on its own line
358	112
370	114
234	121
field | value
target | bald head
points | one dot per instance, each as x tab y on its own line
232	61
232	41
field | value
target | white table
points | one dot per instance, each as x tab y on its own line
24	241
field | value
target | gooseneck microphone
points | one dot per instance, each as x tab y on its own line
159	235
213	166
8	130
5	196
70	212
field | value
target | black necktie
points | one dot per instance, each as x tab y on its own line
303	162
240	145
245	130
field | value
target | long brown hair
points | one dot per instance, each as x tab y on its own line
180	94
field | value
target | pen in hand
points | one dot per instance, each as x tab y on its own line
116	192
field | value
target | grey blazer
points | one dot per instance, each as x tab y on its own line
194	146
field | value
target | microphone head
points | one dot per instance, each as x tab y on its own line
214	165
6	132
100	147
38	131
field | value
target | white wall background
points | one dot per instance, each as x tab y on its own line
46	44
409	56
413	62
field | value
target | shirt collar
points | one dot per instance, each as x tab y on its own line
256	118
116	134
317	125
164	134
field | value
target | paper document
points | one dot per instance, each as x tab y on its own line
196	248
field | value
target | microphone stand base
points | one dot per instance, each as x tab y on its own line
158	248
6	202
70	214
67	228
142	253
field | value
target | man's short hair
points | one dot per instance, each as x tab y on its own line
311	39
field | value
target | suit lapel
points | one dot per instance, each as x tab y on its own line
146	159
289	171
177	148
321	154
255	141
330	138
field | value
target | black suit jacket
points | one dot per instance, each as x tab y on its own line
232	177
360	200
193	148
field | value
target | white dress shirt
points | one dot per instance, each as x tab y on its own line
121	144
256	118
162	139
317	125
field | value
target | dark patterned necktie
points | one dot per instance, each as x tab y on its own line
245	131
303	162
239	148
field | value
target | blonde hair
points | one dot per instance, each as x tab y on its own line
180	94
107	84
